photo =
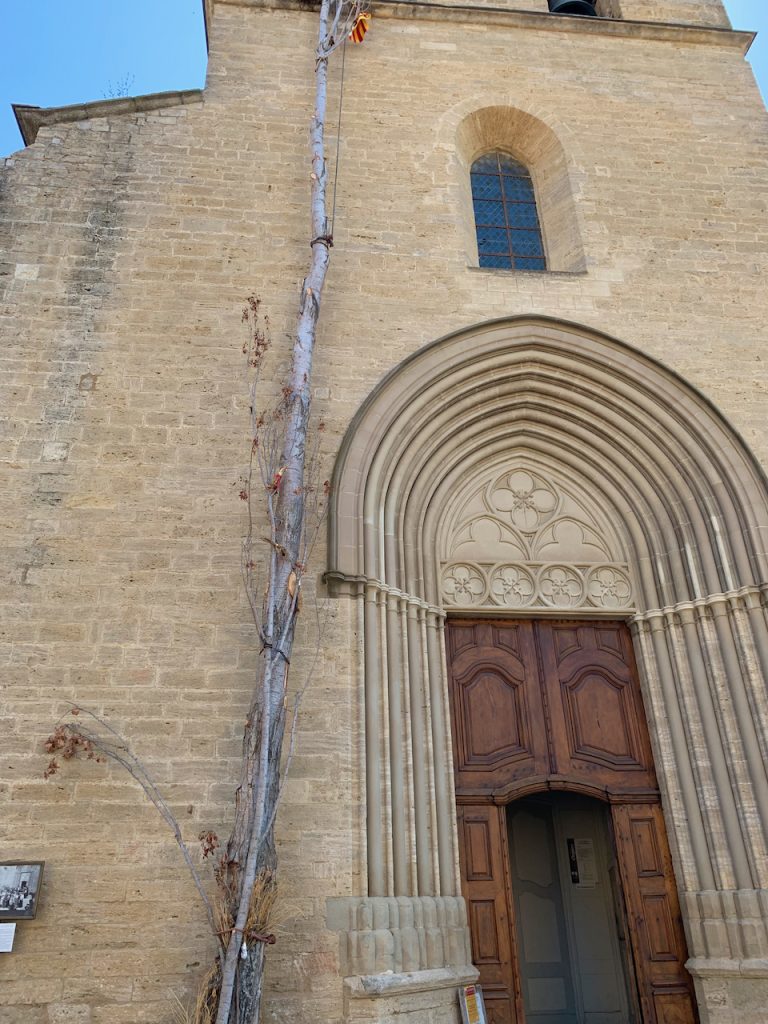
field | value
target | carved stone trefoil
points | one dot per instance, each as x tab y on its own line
559	555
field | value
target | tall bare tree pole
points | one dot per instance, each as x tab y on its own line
239	915
250	860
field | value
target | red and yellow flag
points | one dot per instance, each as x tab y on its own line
360	28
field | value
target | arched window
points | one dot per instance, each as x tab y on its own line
507	223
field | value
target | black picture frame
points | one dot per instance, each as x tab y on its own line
20	882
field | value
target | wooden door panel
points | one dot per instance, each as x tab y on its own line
499	733
485	887
659	928
485	934
558	704
649	860
610	636
478	849
495	721
597	731
673	1008
655	925
598	718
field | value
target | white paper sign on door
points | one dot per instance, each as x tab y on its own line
582	862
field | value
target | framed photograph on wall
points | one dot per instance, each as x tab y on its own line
19	889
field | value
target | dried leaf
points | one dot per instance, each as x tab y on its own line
293	586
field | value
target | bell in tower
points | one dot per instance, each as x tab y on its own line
582	7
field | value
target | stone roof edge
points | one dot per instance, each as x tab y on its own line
207	18
431	10
31	119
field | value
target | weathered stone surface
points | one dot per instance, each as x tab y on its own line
130	239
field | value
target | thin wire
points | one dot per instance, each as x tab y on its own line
338	136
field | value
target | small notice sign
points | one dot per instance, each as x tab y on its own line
472	1005
582	862
7	933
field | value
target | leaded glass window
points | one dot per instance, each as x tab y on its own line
507	223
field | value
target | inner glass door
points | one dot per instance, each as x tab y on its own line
572	943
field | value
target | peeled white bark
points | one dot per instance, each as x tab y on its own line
251	845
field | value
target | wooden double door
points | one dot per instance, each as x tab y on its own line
566	870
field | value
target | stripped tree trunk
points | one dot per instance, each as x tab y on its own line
248	868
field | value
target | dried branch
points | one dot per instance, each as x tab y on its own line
69	738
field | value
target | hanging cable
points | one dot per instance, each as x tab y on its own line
338	137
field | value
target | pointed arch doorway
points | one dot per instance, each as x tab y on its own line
565	865
531	467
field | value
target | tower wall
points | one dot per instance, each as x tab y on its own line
707	12
130	241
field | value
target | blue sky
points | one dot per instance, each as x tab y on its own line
55	52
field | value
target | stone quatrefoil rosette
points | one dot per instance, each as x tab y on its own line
551	585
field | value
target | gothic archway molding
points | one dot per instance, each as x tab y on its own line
535	466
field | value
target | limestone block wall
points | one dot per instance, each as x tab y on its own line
691	12
129	243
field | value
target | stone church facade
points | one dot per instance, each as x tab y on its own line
541	601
